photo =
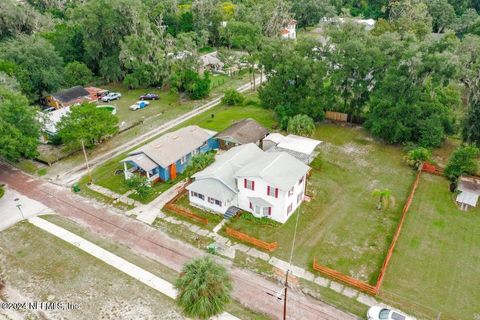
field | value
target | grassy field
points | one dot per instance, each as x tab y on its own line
341	226
223	116
40	267
435	267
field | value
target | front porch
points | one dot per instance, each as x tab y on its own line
151	175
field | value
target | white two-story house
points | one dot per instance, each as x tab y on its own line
267	184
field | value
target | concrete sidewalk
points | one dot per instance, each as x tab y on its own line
115	261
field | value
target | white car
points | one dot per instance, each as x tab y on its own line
139	105
381	313
111	96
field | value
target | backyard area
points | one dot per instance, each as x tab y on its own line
217	119
434	269
341	226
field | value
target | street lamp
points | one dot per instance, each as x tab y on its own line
19	206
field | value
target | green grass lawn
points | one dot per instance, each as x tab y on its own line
435	266
341	226
223	116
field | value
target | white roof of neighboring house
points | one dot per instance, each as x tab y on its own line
293	142
212	187
467	197
172	146
52	118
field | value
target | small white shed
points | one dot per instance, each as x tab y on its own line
469	188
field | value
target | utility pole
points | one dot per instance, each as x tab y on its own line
285	297
86	161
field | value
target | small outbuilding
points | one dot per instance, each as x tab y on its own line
242	132
469	188
66	98
302	148
211	62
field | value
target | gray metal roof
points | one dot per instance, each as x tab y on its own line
259	202
71	94
243	132
172	146
469	198
469	183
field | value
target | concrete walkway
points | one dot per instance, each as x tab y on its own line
115	261
149	212
117	197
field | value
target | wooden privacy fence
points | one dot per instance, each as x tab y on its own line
336	116
336	275
363	286
186	213
268	246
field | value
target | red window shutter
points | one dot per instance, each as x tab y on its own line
250	205
269	211
276	192
268	190
253	185
245	183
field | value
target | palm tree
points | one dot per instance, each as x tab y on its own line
383	198
204	288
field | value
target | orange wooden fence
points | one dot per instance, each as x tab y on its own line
336	275
431	168
185	213
397	232
268	246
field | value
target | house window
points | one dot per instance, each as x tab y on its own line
299	197
272	192
249	184
290	192
289	209
214	201
300	181
183	160
195	152
197	195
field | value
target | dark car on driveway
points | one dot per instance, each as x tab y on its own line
149	96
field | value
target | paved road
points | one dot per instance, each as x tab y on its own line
250	289
74	174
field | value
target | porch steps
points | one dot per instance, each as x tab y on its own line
231	212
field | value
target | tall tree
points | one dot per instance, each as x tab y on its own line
86	123
19	128
77	74
38	67
17	17
309	12
410	17
204	288
442	13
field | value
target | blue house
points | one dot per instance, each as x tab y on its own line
169	155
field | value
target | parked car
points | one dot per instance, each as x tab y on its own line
111	96
149	96
381	313
139	105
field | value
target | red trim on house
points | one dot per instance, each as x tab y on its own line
268	190
276	192
253	185
269	211
251	205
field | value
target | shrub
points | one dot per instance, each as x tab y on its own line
232	97
200	162
301	124
204	288
140	184
462	161
418	155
